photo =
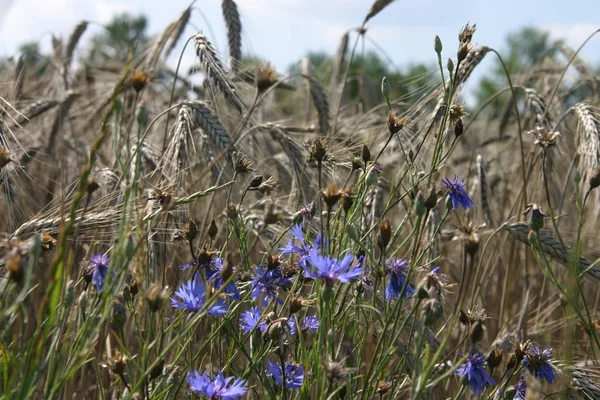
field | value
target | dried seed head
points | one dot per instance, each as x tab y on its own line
255	181
190	230
267	186
297	303
385	234
212	229
336	373
383	387
5	156
265	77
347	199
242	164
48	241
118	363
457	111
318	151
544	138
365	154
420	207
494	359
156	296
470	236
118	316
458	128
331	196
139	79
205	257
275	329
431	311
595	179
536	216
466	33
231	211
431	198
477	331
273	262
394	123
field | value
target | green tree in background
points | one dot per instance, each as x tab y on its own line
124	35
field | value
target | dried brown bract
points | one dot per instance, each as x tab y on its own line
543	137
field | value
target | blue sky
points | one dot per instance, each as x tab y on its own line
282	31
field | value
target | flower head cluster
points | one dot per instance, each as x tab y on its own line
458	194
473	373
537	360
217	387
99	268
294	374
265	282
397	270
309	324
252	319
331	269
191	297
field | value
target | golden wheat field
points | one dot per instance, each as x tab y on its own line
342	231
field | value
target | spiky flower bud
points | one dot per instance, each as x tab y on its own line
536	216
450	66
139	80
242	164
365	154
318	151
212	229
385	234
494	359
255	181
458	128
231	211
190	230
437	44
420	207
595	179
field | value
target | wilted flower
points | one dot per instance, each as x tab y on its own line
191	297
397	270
458	194
331	269
252	319
294	374
536	361
544	138
99	269
217	387
474	374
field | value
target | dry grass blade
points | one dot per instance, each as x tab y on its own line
376	8
178	28
215	73
234	31
551	246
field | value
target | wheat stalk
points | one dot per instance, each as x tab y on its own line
551	246
483	192
178	28
589	137
376	8
234	32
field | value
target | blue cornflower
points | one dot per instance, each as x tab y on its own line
191	297
215	275
302	249
266	282
99	269
294	374
331	269
458	194
310	324
520	388
397	270
251	319
204	259
217	387
473	373
536	361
